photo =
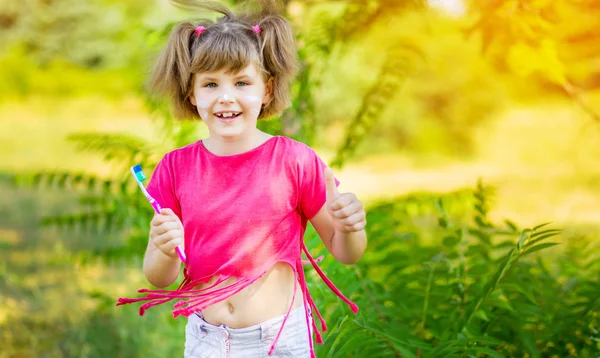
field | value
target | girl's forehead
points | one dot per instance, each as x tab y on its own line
249	71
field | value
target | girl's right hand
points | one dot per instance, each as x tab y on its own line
166	232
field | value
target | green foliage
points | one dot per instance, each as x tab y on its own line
439	279
21	76
333	29
105	206
459	286
401	85
329	30
91	34
392	75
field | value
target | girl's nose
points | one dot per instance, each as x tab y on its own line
225	98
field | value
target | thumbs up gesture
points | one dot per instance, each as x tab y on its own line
345	209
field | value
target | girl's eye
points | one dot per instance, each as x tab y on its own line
241	84
210	85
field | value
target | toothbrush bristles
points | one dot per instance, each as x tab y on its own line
137	171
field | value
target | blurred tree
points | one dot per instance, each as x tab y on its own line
91	34
326	32
555	41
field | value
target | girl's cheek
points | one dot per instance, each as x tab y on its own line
255	102
252	99
203	109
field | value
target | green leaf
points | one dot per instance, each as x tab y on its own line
481	314
538	239
500	303
526	291
522	239
541	226
486	350
450	241
540	233
445	352
511	225
539	247
485	339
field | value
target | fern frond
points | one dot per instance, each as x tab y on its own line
100	221
391	77
114	147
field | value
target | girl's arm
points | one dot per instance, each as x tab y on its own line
340	223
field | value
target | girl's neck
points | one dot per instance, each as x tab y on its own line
230	146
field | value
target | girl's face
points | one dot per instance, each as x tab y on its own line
229	103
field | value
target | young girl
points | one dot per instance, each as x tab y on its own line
239	200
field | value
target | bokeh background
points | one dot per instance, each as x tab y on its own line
463	125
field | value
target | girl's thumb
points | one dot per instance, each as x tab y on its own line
330	186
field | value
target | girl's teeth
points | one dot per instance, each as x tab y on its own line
227	115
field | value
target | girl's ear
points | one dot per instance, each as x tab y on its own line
268	97
192	98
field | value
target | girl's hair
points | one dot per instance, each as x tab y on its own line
229	44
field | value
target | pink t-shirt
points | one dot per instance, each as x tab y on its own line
241	214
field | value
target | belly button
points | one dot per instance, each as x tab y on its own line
230	306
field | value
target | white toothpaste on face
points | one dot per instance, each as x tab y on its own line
252	99
203	109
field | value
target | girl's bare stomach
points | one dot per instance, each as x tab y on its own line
268	297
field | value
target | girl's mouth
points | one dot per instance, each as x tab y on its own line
228	116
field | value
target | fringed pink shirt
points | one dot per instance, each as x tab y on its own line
241	214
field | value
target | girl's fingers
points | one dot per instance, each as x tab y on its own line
356	227
167	211
165	215
165	227
353	219
342	201
348	210
174	243
170	236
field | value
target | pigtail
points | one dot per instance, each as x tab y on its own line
280	58
171	75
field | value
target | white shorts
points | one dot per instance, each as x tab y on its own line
204	340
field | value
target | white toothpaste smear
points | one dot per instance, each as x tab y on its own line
252	99
203	109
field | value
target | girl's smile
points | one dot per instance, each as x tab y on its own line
227	116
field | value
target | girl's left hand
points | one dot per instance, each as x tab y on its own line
346	210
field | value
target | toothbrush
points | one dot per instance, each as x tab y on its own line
136	170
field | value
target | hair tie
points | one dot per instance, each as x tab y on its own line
200	29
256	29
